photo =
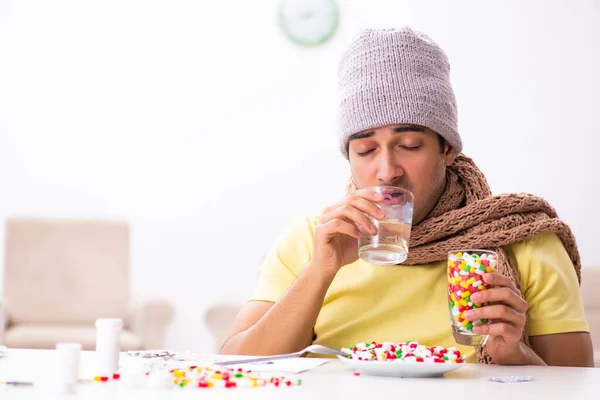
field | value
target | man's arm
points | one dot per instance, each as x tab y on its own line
265	328
556	320
573	349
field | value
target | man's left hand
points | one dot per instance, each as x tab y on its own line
508	314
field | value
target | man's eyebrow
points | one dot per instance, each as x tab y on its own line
399	129
361	135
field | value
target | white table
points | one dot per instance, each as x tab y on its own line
330	381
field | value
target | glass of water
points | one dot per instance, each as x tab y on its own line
390	244
465	277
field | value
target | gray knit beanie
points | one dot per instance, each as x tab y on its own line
396	76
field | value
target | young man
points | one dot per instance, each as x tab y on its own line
399	128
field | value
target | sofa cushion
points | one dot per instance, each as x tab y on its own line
36	336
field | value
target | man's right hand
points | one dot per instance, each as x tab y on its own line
338	230
286	326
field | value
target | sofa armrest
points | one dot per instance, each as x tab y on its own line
149	320
219	318
3	322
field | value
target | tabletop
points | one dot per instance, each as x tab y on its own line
332	380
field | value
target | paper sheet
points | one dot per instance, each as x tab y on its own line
162	360
288	365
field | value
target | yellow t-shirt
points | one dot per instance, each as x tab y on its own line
368	302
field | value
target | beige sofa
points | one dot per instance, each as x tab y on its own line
61	275
590	290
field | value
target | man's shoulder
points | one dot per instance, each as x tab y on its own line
302	226
541	241
310	218
546	248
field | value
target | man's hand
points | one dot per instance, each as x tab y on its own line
340	226
508	314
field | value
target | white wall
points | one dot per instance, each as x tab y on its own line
176	115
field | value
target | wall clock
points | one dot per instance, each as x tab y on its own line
308	22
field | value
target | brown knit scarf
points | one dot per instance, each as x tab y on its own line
468	216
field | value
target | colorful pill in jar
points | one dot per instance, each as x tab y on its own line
465	277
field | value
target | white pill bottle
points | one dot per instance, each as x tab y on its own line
67	367
108	335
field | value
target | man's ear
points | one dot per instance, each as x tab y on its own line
449	154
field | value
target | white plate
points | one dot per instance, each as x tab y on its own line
3	351
401	368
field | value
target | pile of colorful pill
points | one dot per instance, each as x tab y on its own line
201	377
465	277
209	377
404	351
